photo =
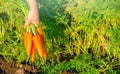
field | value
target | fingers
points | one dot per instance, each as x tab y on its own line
29	20
36	23
27	23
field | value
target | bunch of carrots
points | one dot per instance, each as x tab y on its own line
34	41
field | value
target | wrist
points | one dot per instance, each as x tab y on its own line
32	4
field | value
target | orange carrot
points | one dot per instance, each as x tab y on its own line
38	45
40	32
33	53
25	40
44	52
29	43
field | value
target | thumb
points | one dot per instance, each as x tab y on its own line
26	23
26	18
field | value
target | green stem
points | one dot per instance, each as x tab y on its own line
28	29
33	28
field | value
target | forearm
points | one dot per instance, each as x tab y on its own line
33	15
32	4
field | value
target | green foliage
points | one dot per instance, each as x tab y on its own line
83	36
11	40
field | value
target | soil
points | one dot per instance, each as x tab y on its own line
12	68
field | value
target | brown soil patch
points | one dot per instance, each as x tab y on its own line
12	68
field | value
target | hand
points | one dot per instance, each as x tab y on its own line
33	17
